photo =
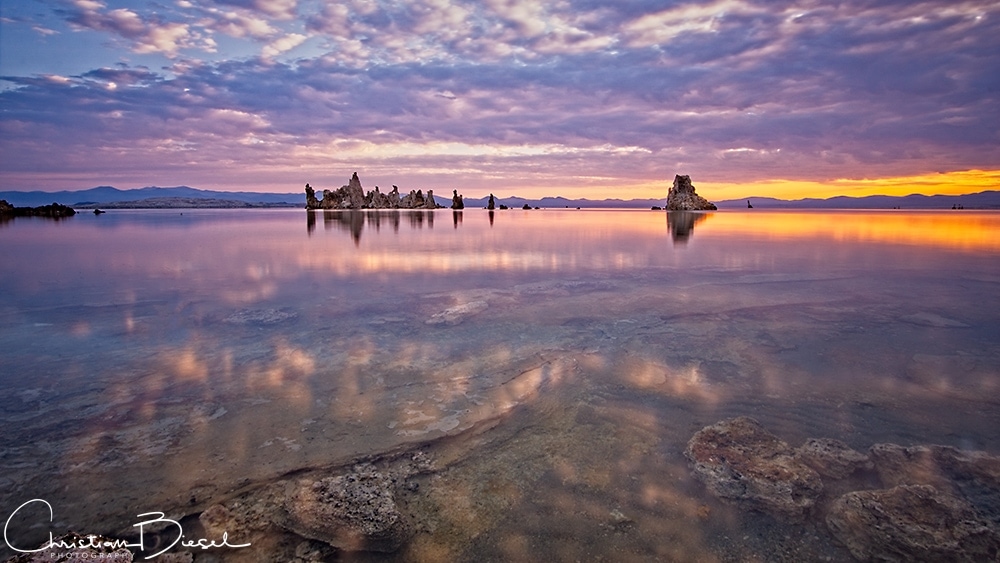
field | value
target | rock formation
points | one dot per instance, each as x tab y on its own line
352	512
937	503
353	196
491	204
682	197
456	201
739	460
354	509
311	201
911	523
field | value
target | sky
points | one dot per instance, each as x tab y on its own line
576	98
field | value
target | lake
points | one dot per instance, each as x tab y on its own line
550	364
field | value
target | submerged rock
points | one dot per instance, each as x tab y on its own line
832	458
973	475
739	460
353	512
911	523
458	313
682	197
259	316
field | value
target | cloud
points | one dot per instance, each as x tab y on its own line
145	35
282	44
236	24
278	9
727	90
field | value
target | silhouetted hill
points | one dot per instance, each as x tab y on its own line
102	195
981	200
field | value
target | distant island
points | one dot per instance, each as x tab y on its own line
183	203
187	197
51	211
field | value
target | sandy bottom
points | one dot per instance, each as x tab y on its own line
556	412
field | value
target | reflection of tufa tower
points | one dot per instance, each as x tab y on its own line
681	224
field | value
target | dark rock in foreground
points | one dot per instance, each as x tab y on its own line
739	460
353	512
973	475
682	197
911	523
53	211
937	503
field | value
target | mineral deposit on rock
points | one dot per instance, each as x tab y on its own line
352	512
911	523
739	460
682	197
971	474
353	196
832	458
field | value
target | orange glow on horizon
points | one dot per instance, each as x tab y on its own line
949	183
966	231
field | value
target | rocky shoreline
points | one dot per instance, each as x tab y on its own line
53	211
893	503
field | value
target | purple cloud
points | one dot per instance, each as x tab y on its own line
572	92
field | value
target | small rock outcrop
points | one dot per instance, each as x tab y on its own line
353	196
973	475
739	460
322	514
682	197
936	503
911	523
311	201
491	204
456	201
353	512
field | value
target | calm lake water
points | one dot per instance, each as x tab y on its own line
553	363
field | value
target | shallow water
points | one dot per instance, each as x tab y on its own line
554	362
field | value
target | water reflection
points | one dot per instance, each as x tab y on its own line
170	362
681	224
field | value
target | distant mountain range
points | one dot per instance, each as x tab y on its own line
186	197
981	200
105	195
